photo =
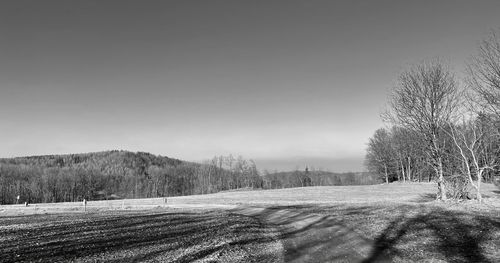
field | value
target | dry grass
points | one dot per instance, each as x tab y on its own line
397	193
394	193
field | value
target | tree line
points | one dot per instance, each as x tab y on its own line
442	129
312	177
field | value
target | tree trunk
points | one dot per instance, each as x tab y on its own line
408	170
440	181
386	176
209	185
403	170
479	178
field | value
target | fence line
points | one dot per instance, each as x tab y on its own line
89	205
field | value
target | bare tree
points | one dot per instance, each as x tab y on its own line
402	147
484	74
425	101
379	154
475	140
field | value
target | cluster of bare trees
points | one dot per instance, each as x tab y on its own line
226	173
442	129
397	155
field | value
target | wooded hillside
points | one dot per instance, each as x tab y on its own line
112	174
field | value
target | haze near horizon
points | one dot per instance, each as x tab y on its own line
287	83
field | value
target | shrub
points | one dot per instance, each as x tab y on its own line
457	187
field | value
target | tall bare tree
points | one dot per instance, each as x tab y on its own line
425	101
484	73
380	154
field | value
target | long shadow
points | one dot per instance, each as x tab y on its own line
453	236
340	234
424	198
311	237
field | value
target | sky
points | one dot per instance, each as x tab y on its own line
286	83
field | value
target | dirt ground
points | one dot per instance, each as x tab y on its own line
132	236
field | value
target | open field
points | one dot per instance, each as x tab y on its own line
395	193
388	223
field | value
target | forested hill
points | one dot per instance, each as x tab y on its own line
100	175
117	174
107	162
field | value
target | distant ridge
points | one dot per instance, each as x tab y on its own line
101	159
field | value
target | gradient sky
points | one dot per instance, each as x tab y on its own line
287	83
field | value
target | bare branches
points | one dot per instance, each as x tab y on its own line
460	127
484	74
426	100
380	153
475	140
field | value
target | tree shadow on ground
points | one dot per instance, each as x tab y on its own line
410	234
311	237
424	198
455	237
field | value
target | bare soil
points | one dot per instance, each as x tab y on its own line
137	236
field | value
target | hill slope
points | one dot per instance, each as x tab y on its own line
99	175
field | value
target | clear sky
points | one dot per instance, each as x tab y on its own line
287	83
